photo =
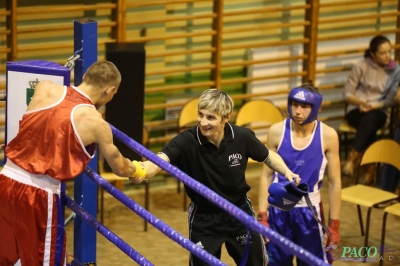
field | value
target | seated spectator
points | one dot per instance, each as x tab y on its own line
369	91
390	176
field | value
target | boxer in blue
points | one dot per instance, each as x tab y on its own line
307	146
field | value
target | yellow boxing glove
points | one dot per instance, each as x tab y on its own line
139	172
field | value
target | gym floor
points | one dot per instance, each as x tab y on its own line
167	204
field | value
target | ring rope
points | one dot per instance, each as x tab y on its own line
71	61
281	241
159	224
106	232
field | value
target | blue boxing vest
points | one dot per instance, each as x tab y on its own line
309	162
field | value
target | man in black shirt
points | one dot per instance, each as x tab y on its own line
215	153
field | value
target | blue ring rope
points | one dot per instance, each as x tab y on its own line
106	232
246	219
159	224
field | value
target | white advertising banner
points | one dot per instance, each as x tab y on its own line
22	79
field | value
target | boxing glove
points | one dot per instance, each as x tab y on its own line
333	226
285	196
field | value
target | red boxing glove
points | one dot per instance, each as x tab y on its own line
262	217
333	227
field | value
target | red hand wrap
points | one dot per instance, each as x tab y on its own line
262	217
333	227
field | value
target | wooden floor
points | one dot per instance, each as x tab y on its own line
167	205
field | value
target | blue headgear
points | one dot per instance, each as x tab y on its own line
302	95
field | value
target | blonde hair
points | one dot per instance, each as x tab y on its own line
102	74
216	101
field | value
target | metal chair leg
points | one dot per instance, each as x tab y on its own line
367	230
367	227
360	219
383	238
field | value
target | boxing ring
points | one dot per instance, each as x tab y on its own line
86	184
249	221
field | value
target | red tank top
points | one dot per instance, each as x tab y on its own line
47	142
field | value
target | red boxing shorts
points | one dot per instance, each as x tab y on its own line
31	222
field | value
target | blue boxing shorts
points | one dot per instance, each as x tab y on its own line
299	226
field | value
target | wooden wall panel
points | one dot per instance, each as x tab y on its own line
192	45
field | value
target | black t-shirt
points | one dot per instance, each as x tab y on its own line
220	169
